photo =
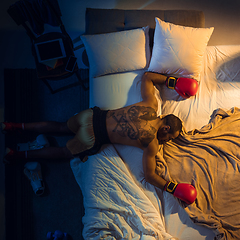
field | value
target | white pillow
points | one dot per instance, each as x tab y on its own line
178	50
117	52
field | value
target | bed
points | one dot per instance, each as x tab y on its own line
119	204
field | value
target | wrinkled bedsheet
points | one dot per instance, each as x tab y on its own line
116	205
209	158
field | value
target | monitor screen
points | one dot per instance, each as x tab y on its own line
50	50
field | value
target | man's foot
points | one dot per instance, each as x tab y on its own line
8	127
11	156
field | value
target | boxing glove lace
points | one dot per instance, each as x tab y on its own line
185	87
184	191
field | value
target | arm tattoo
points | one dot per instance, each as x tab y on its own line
134	123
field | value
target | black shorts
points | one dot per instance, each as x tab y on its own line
90	131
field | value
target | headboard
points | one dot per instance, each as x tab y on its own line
113	20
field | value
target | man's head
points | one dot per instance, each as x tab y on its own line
170	128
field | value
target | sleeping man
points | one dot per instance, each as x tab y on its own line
135	125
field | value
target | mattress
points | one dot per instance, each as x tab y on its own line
116	196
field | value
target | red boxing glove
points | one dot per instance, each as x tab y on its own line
184	191
185	87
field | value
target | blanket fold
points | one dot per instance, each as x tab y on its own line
211	158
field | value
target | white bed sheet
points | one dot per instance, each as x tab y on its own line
219	87
116	205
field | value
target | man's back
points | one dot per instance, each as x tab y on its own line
135	125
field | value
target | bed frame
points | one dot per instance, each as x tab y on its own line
119	167
99	21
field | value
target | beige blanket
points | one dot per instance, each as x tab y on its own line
209	157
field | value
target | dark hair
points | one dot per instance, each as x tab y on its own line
174	122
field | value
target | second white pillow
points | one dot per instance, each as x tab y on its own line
178	50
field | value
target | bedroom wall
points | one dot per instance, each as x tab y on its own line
15	45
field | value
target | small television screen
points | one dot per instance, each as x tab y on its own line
49	50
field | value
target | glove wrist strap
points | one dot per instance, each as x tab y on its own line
170	187
171	82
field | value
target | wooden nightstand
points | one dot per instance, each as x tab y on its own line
46	71
49	71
